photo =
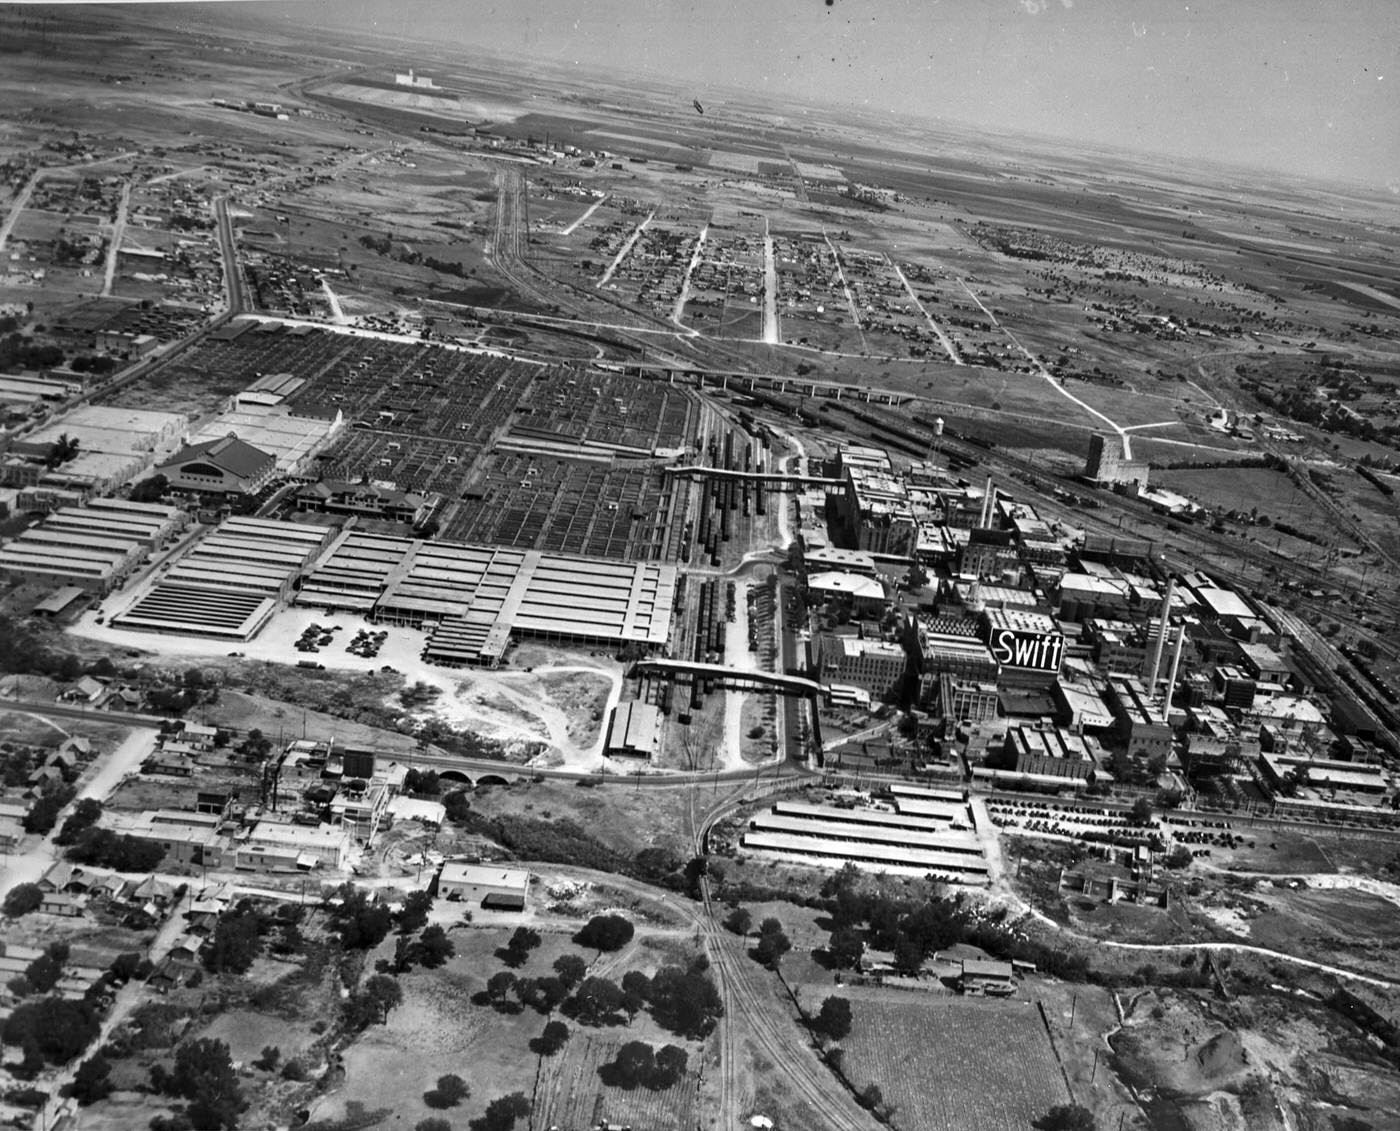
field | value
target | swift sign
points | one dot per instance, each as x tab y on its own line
1029	651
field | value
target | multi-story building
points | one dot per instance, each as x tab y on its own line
1146	733
875	666
1049	751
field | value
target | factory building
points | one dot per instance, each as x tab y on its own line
1054	753
875	666
1139	723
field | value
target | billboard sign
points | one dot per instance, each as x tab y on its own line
1028	651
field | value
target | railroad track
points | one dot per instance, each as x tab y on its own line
784	1044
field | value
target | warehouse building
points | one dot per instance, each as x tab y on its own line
228	583
475	598
484	885
896	859
152	525
270	847
114	446
634	730
59	555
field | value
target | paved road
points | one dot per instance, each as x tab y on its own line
38	854
118	233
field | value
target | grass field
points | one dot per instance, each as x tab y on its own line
953	1064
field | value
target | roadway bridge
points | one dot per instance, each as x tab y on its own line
733	677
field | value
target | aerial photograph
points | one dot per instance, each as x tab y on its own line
700	565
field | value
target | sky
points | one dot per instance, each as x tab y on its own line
1308	87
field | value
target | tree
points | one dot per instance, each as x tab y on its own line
501	1114
361	924
450	1091
605	933
597	1001
1067	1117
92	1080
267	1062
636	989
834	1018
150	490
1141	812
773	943
739	921
845	948
376	999
414	912
671	1063
516	952
22	899
499	986
632	1066
550	993
204	1075
433	948
551	1040
571	969
85	814
432	1123
236	941
908	955
51	1029
685	1002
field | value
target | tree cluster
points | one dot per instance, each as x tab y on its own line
237	940
773	943
361	924
204	1075
638	1065
50	1030
86	813
107	849
605	933
516	952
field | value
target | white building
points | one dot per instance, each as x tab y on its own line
484	885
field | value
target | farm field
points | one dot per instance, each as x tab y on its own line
953	1064
574	1096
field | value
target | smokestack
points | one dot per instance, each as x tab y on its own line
1161	638
987	505
1176	667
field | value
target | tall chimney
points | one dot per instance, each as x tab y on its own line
1161	638
1171	679
987	505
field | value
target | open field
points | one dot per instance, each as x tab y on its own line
572	1095
932	1059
